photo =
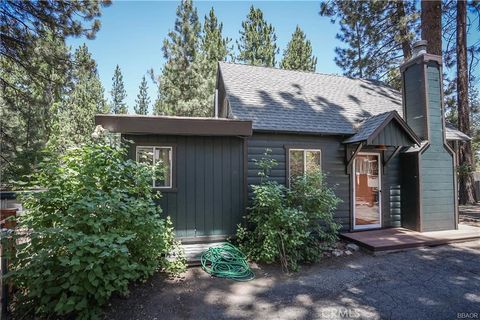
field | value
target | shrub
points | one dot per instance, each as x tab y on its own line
94	229
289	225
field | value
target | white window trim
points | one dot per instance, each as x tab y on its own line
380	212
170	159
304	159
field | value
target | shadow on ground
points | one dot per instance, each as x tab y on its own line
430	283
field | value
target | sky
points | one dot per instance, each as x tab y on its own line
132	34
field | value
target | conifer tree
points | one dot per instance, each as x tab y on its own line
257	43
214	48
28	107
377	34
142	102
181	80
118	93
75	117
298	55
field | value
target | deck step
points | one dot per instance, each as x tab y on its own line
193	252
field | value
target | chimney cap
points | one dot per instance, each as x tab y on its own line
419	48
420	43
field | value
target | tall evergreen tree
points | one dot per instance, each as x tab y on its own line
34	63
118	93
214	48
28	108
142	103
466	185
25	23
298	55
181	80
378	34
75	116
257	43
431	17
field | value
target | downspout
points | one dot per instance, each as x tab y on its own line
216	103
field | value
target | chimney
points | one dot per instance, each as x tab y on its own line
419	48
422	91
428	187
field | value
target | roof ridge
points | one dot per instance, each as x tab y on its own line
310	72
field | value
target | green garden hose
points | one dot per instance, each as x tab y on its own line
228	262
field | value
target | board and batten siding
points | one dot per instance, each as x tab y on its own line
209	195
333	164
436	163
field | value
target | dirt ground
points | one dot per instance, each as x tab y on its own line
470	215
430	283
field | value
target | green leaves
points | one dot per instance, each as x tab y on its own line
94	229
289	225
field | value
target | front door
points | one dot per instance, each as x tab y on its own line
367	191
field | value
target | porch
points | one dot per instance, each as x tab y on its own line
391	239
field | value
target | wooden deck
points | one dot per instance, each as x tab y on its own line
400	238
193	252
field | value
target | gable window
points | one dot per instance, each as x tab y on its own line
301	161
155	156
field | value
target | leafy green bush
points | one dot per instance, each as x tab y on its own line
94	229
289	225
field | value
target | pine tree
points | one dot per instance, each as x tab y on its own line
298	55
75	116
257	44
28	107
214	48
143	100
181	80
378	34
466	179
213	45
118	93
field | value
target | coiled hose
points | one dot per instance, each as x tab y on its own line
228	262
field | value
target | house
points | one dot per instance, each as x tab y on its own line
388	154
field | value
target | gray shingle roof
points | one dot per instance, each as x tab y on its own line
453	133
368	127
297	101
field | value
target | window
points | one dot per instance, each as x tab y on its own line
303	161
163	156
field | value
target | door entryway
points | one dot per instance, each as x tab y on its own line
367	191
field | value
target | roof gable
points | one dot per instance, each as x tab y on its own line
387	128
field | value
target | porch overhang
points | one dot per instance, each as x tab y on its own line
385	129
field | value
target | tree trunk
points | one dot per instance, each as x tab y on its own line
431	18
403	30
466	181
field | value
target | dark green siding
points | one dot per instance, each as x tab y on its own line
391	197
333	164
436	164
414	99
392	135
209	183
428	173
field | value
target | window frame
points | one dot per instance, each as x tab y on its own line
303	148
172	187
